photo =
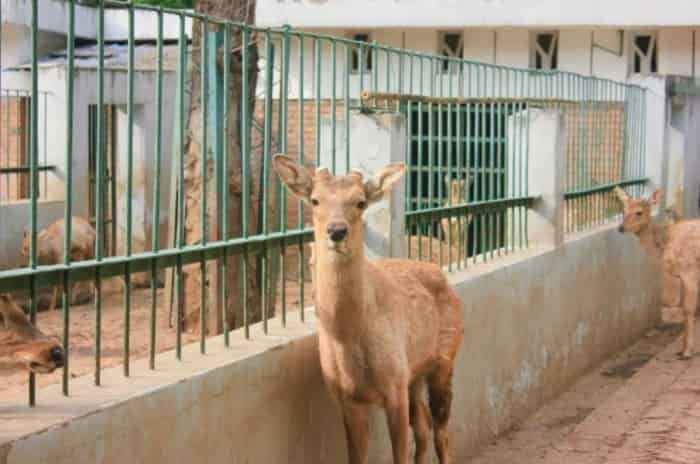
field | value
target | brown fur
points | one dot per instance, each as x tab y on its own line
677	246
23	346
390	329
49	243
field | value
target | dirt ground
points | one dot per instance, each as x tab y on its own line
82	333
542	433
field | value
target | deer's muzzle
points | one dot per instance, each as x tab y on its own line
337	231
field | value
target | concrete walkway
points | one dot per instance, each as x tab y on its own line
653	418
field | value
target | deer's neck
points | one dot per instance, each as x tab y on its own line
341	288
653	239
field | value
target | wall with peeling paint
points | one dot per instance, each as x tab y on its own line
535	322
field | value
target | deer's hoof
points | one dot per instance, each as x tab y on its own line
684	356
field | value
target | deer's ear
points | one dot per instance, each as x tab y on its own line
13	316
383	181
621	194
655	197
295	176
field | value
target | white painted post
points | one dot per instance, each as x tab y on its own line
375	141
547	171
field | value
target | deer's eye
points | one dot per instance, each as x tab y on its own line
314	202
361	204
638	213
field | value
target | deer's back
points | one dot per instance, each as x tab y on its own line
431	304
682	251
82	239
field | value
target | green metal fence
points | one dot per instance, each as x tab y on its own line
606	148
235	239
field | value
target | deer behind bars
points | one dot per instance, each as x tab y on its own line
389	330
23	346
678	248
49	243
453	230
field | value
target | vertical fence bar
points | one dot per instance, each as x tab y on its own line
180	233
281	193
129	185
226	134
300	158
155	218
34	146
204	155
68	212
99	188
264	185
245	172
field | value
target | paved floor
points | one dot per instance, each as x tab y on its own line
653	418
641	406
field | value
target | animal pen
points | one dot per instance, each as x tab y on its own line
235	247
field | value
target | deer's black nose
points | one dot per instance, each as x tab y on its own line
337	231
57	355
621	228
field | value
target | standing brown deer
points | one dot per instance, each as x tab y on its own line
676	245
388	329
23	346
49	242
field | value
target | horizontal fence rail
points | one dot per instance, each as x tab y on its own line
165	149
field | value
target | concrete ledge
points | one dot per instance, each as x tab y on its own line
535	322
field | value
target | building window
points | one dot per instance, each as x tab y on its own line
644	53
451	46
361	55
544	50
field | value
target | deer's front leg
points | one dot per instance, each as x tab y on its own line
690	300
397	412
356	421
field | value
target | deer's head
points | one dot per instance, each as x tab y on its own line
337	202
23	346
636	212
457	189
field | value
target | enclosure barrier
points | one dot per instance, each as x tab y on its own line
235	236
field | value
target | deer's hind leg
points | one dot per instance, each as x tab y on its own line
690	301
440	392
420	419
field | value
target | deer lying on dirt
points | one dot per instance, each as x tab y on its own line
676	245
389	329
23	346
49	243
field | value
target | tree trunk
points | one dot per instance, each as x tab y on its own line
238	11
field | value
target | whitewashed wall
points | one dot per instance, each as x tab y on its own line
501	46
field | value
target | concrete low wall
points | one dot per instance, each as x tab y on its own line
535	322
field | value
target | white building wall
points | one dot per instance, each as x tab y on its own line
512	47
575	51
581	51
477	13
676	51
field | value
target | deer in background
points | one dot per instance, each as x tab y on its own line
677	246
389	330
23	346
457	194
49	243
